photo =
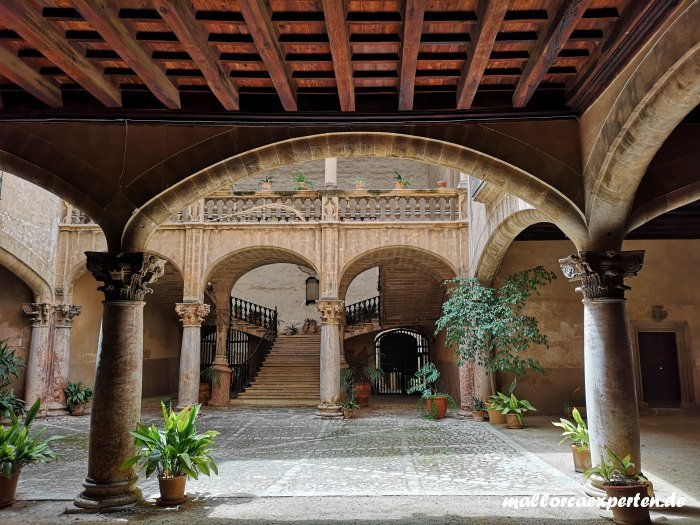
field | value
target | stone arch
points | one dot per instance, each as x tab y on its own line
559	208
27	266
663	89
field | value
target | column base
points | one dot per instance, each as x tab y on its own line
594	487
99	496
326	410
58	412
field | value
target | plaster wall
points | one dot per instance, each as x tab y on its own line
14	325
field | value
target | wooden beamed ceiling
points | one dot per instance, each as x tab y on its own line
268	56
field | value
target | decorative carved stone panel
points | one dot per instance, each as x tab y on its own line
602	274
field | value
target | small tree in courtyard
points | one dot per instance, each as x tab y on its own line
488	326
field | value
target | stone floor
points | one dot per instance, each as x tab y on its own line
387	466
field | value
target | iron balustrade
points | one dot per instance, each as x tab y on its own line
363	312
253	313
244	373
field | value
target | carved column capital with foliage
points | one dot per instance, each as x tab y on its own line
65	313
192	314
602	274
332	310
39	313
126	276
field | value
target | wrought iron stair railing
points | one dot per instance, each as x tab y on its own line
254	314
364	311
242	375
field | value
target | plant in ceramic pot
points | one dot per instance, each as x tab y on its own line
265	184
362	377
478	409
576	432
77	398
349	408
513	408
360	183
302	182
401	181
310	326
17	449
433	403
442	184
629	488
10	367
174	452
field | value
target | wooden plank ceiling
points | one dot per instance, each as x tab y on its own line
316	55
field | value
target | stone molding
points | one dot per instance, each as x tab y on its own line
332	310
602	274
65	314
125	276
192	314
40	313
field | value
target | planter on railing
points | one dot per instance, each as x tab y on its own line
363	312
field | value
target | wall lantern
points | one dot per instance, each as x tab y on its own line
311	290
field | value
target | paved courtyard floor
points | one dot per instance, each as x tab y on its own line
387	466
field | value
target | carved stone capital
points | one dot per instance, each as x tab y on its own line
65	314
39	313
125	276
602	274
192	314
332	310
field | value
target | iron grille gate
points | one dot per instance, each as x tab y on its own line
398	362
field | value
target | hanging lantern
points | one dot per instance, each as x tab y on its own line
311	290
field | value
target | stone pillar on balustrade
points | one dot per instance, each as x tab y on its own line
611	396
191	316
332	316
116	406
39	358
221	374
60	358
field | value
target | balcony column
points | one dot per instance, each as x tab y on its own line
331	173
191	316
60	358
116	407
611	396
38	360
221	379
332	314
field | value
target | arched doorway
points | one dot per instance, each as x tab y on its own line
399	353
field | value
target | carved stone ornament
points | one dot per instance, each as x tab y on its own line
602	274
126	276
331	207
332	310
40	313
658	313
192	314
65	314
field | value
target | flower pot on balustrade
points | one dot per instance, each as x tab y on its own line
442	184
265	185
363	391
582	458
360	185
8	489
400	185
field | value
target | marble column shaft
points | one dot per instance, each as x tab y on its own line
221	382
36	378
332	315
60	360
191	315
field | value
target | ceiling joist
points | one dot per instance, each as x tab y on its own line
335	12
412	29
12	67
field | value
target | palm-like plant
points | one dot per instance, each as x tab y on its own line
10	366
176	449
576	431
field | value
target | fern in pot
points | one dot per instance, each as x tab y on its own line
77	398
174	452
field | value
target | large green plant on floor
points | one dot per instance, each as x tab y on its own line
10	366
488	325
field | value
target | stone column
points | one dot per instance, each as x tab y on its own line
116	407
331	172
37	376
332	313
221	381
60	359
611	396
191	315
466	388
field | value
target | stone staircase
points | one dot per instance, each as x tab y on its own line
289	375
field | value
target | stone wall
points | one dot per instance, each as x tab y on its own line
14	325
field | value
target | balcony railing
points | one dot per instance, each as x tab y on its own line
309	207
364	311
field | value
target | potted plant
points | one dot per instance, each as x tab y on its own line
266	183
478	409
291	329
513	408
361	377
310	326
360	183
435	403
401	182
175	452
349	408
17	449
577	433
77	398
442	184
10	366
208	377
302	182
623	482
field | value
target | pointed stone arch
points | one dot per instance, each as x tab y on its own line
27	266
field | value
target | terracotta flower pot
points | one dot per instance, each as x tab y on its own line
8	488
400	185
265	186
204	393
629	514
582	458
478	415
301	186
439	404
512	421
442	184
360	185
172	491
363	391
495	417
77	409
348	413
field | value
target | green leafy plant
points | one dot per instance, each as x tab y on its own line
478	404
176	449
292	329
302	181
10	367
508	404
349	405
362	373
616	471
401	179
576	431
424	381
360	180
10	405
76	394
488	326
267	178
209	374
18	448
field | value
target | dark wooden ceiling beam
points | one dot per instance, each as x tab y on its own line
257	15
335	12
12	67
179	15
414	13
490	14
549	43
103	17
25	18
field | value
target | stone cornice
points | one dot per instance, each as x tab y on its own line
126	276
602	274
